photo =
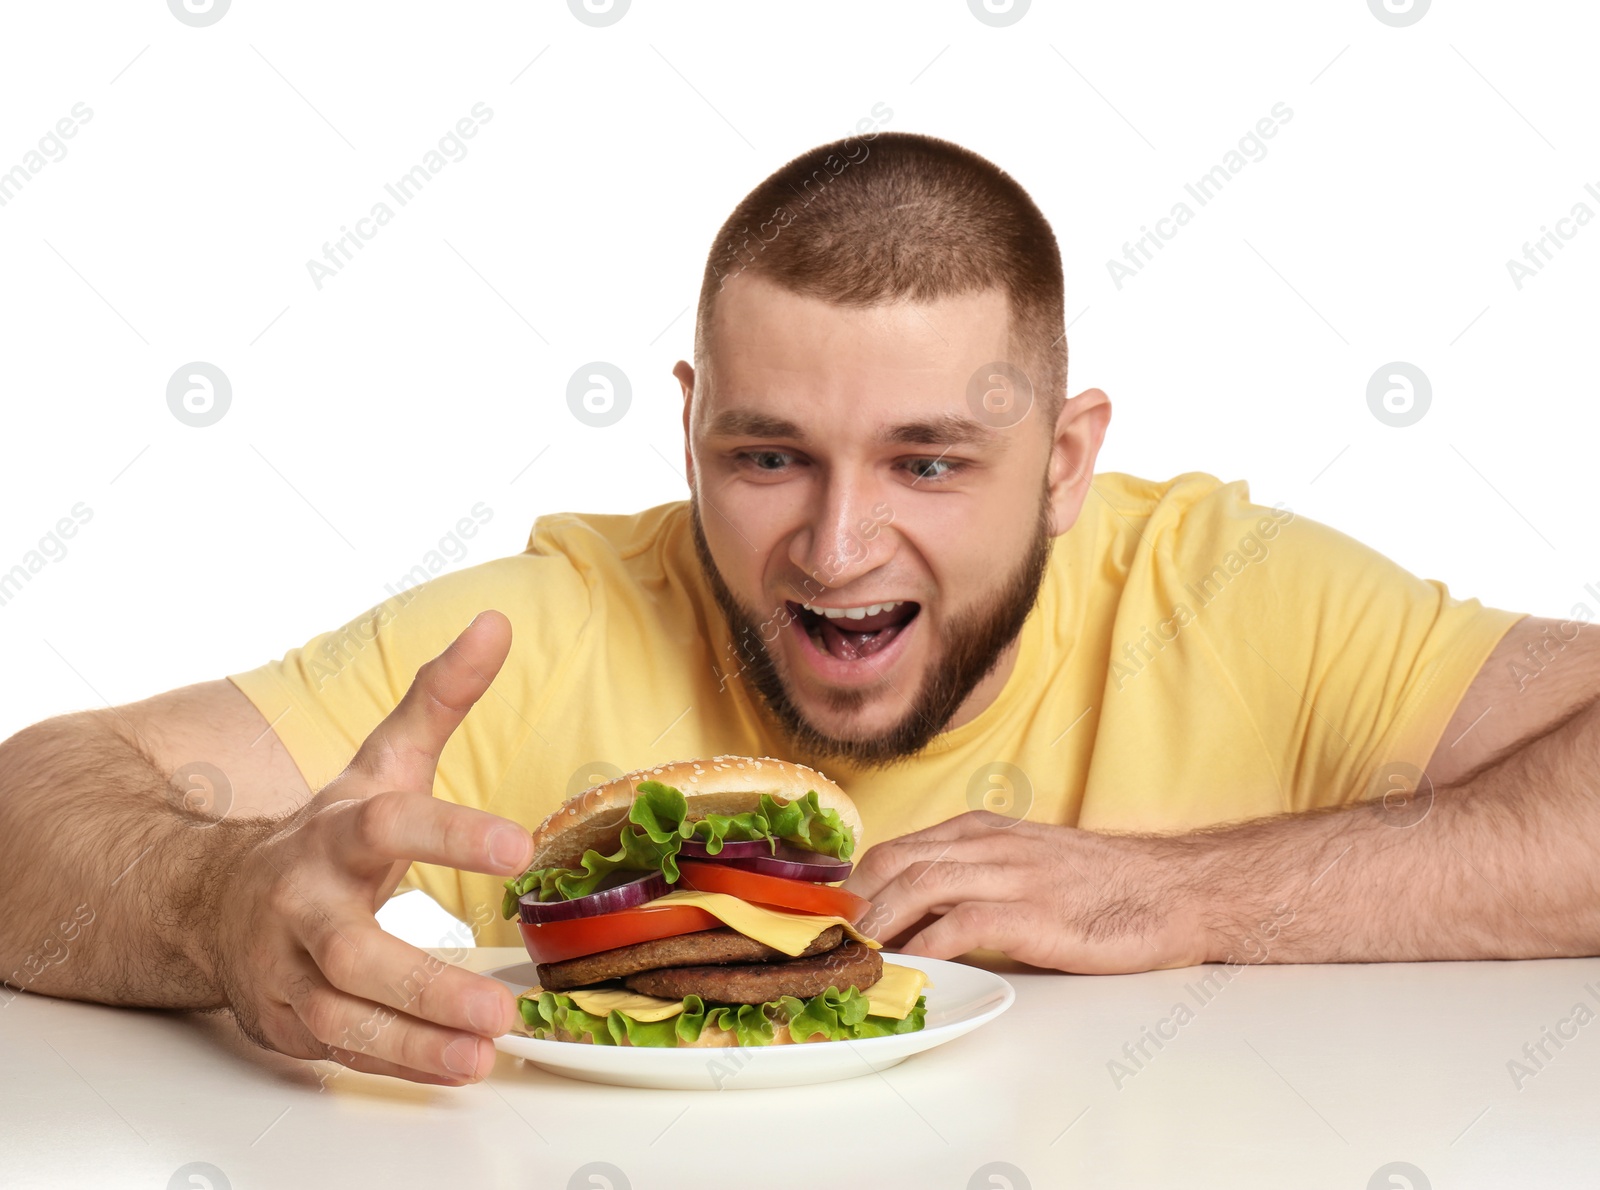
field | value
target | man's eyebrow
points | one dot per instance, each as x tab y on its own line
950	429
744	423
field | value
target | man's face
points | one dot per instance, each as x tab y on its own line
838	466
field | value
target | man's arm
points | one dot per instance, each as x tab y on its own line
1502	866
1499	863
1540	673
116	890
105	873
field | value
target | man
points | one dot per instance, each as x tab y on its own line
1047	690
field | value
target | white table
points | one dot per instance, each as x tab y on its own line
1286	1077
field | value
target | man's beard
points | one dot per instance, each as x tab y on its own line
974	642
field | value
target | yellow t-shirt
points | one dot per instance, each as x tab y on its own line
1194	658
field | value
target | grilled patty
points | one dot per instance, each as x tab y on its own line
847	965
722	945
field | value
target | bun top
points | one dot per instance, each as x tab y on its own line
720	785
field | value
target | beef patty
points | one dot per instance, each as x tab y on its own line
722	945
845	966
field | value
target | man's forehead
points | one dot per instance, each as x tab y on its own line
755	320
905	363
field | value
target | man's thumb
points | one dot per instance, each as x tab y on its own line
403	751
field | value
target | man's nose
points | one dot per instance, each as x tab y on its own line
843	539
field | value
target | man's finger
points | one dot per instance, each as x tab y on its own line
370	1065
403	751
405	828
347	1022
891	932
287	1033
933	887
968	926
887	861
360	958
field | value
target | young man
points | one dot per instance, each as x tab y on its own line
1045	689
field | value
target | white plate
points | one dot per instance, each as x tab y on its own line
960	999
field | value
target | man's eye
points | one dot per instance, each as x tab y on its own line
766	460
931	468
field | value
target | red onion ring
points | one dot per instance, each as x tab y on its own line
645	886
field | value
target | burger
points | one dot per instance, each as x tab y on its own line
697	904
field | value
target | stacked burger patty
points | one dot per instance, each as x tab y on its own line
722	966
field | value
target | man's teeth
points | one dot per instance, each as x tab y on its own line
853	613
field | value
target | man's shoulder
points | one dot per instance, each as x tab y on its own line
633	571
574	563
600	536
1166	511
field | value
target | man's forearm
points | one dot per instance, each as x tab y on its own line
1505	865
107	884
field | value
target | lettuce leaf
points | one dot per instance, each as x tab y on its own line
836	1015
657	827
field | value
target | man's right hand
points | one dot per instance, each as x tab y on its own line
295	945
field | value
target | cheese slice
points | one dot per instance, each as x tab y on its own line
778	928
600	1001
893	996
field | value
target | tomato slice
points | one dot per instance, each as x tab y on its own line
776	891
554	941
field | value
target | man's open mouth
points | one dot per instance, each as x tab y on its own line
853	633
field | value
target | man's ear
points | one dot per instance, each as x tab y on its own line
1080	428
685	374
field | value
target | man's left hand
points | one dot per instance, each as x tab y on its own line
1051	896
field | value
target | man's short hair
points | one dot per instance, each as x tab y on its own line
901	216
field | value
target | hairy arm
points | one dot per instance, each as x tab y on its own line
1503	865
109	877
1492	853
117	890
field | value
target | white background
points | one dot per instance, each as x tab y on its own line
430	373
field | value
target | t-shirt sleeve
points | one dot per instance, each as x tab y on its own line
1349	664
326	696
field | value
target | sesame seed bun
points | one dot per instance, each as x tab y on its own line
721	785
